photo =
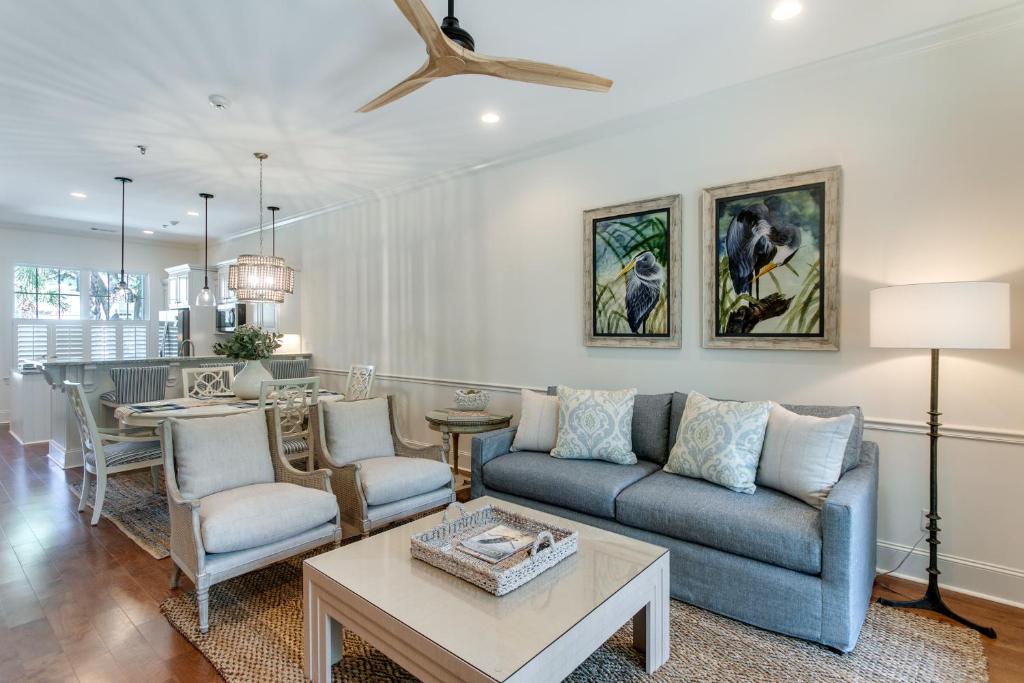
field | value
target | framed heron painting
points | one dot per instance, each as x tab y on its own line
771	263
631	274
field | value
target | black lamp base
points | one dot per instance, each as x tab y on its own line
933	601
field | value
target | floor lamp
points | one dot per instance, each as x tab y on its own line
941	315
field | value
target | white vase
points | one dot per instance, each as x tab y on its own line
246	384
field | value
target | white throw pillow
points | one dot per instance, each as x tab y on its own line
538	423
356	430
803	455
720	441
595	425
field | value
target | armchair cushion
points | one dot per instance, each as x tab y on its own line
261	514
386	480
357	430
220	453
126	453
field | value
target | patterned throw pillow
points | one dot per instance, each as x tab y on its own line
720	441
595	425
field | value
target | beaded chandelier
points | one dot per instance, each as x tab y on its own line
257	278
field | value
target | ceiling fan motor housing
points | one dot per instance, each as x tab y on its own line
450	27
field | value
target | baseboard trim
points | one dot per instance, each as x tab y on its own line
5	417
881	424
26	443
960	574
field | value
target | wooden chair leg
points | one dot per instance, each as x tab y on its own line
154	475
203	600
86	485
175	576
97	503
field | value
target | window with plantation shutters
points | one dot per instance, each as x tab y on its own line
31	343
68	342
103	342
133	341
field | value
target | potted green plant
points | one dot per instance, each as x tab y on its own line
252	344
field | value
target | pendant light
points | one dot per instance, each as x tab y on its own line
206	297
121	294
258	278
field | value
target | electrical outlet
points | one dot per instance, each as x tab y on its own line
924	520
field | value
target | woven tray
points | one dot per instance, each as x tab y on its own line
437	546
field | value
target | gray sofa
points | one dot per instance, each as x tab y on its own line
766	559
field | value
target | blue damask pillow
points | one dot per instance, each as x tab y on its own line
595	425
720	441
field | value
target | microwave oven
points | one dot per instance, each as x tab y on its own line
230	316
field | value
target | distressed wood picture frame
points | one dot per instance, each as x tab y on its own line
771	262
632	274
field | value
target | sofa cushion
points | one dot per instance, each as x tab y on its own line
260	514
595	424
219	453
588	486
653	419
767	525
650	427
851	458
357	430
385	480
538	423
852	455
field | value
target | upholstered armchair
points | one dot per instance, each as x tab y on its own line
237	509
377	477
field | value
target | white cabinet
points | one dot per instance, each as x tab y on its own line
263	315
177	290
224	295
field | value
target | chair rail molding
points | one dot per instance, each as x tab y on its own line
881	424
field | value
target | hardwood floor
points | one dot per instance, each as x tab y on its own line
81	603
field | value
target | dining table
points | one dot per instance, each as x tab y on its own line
152	413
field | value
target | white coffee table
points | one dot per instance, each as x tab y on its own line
441	628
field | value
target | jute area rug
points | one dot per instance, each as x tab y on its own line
256	636
132	506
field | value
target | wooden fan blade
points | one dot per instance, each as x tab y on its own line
417	80
534	72
423	21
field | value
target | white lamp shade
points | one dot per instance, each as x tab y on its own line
942	315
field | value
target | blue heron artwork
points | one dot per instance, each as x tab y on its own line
769	279
631	274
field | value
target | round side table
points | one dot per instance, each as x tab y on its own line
451	424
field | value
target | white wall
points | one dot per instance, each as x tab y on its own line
477	277
34	246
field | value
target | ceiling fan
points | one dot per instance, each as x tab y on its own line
450	52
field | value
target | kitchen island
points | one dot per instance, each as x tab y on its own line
64	445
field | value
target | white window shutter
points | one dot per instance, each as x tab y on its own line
69	342
103	342
134	341
31	342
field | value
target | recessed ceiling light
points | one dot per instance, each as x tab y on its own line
490	117
147	232
79	195
787	9
193	213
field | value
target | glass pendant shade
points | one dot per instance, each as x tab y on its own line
205	296
121	294
261	279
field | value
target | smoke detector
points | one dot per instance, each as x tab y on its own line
219	102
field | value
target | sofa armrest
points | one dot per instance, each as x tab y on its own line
849	520
486	447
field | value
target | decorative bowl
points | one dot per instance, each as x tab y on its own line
471	399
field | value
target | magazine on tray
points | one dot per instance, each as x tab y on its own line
496	544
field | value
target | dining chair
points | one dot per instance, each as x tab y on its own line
360	382
294	399
237	367
206	382
109	451
135	385
293	368
236	510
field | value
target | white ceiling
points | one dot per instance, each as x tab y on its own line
83	83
